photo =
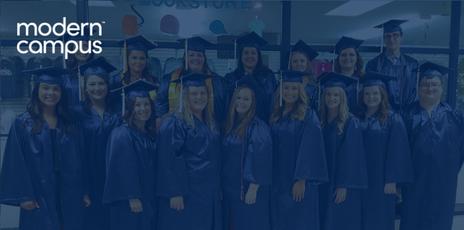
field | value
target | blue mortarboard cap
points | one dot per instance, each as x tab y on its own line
347	42
98	66
331	79
292	76
375	78
192	79
247	82
138	43
196	43
49	75
431	70
391	26
251	40
302	47
138	88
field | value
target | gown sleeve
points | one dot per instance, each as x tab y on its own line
258	160
172	171
16	184
398	165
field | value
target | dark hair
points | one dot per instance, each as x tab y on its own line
87	101
384	107
259	68
34	108
145	72
358	68
128	117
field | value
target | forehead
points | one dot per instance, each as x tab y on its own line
43	84
391	33
250	49
244	91
141	99
334	89
371	88
298	54
292	84
428	79
196	88
348	50
94	78
195	52
137	53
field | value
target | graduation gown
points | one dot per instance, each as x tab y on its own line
403	89
34	170
388	160
298	155
188	166
266	84
244	162
347	169
312	92
96	131
71	87
169	92
130	174
437	152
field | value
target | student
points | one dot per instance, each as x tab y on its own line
42	167
195	61
301	58
299	157
131	154
340	199
97	120
246	163
189	162
393	62
436	140
250	65
388	157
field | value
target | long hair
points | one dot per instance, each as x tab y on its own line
88	101
187	116
384	107
35	109
259	68
299	110
145	72
129	116
358	68
343	111
243	124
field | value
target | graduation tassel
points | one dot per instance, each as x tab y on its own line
186	55
333	60
235	52
123	102
382	40
79	82
319	97
281	90
124	61
181	100
289	60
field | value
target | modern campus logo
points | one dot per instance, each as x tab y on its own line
75	43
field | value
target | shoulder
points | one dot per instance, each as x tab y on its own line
410	59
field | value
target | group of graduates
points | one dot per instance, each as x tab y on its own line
251	150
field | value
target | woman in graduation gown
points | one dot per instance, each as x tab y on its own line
97	120
300	59
131	153
340	199
195	61
42	166
349	63
246	164
299	157
388	157
189	163
436	138
250	65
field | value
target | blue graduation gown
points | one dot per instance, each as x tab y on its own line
71	87
189	166
298	155
130	174
244	162
220	97
388	160
402	90
29	174
266	84
437	152
96	131
312	92
347	169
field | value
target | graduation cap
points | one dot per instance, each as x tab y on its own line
137	43
375	78
251	40
391	26
247	82
302	47
332	79
430	70
347	42
138	88
98	66
50	75
195	44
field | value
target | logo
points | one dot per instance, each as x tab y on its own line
79	37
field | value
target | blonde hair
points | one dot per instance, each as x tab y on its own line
240	131
343	110
299	110
187	116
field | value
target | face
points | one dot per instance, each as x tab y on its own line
197	98
81	57
137	60
49	94
347	58
142	109
250	57
96	88
333	97
392	40
196	60
372	96
290	92
299	62
431	89
243	101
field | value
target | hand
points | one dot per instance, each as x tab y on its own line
250	196
87	201
340	195
29	205
298	190
135	205
177	203
390	189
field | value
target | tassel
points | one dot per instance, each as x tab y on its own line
124	62
281	90
186	55
123	102
181	94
